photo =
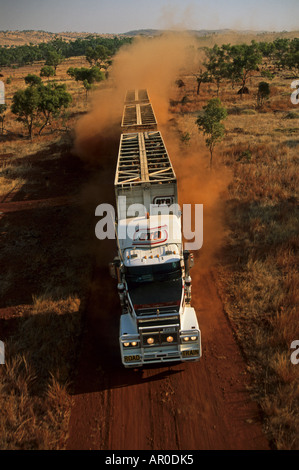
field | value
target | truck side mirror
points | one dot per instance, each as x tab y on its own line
114	268
188	260
191	260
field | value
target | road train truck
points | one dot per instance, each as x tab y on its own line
157	322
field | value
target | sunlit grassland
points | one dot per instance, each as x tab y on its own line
258	269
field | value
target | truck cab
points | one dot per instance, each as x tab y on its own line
158	323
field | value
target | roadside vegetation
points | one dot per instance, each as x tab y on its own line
45	248
254	134
258	272
55	51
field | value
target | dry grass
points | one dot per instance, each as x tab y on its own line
42	340
7	185
33	382
258	275
13	177
42	288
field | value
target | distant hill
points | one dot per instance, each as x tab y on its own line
18	38
208	32
156	32
210	37
143	32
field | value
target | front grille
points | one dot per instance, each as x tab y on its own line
171	310
156	322
159	337
159	329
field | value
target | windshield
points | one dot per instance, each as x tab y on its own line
162	272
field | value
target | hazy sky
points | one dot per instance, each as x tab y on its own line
119	16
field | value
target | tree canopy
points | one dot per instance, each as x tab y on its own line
47	71
210	124
25	105
27	54
87	76
97	56
232	62
38	100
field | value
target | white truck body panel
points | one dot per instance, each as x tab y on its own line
140	232
157	323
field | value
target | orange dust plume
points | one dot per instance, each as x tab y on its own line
155	64
151	63
198	184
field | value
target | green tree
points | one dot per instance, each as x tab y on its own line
202	77
245	60
97	56
87	76
25	105
281	50
54	58
217	64
87	86
47	71
27	54
40	101
52	100
32	79
292	57
210	124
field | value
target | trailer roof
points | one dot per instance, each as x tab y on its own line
139	117
137	96
143	158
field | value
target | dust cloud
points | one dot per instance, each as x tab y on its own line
155	64
197	184
147	63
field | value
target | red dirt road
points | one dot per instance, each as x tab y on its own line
190	406
187	406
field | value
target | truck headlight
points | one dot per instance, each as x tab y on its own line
150	340
186	339
169	339
131	344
